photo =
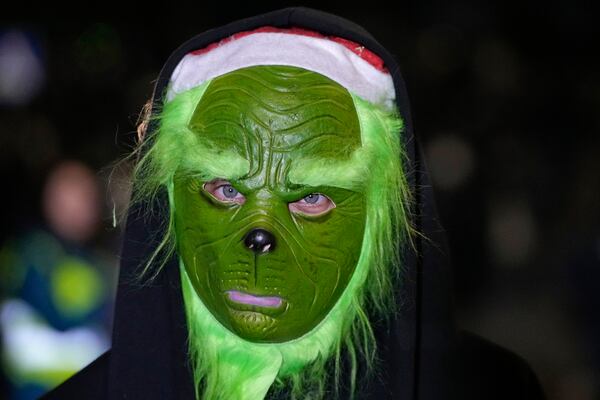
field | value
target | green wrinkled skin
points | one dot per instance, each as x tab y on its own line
271	116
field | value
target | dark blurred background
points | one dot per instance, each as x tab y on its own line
505	100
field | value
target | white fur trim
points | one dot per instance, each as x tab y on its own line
324	56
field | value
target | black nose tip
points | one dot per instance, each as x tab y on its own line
260	240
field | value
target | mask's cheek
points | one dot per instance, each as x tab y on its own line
200	236
336	241
323	256
200	258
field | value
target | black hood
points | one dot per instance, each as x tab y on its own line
418	350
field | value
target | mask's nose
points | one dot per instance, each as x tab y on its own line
260	241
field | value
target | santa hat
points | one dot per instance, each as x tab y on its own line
347	63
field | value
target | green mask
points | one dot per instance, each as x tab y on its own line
269	253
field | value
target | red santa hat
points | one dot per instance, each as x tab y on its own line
348	63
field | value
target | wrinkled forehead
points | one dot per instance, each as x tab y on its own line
288	125
263	110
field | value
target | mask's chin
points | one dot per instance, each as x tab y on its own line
257	318
254	366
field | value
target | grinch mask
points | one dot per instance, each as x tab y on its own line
272	237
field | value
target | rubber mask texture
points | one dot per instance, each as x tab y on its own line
275	118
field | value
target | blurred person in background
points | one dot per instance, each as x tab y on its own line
55	289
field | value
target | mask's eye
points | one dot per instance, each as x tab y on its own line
314	204
223	191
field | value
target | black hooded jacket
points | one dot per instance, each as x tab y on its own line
423	355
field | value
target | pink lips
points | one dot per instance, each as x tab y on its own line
246	298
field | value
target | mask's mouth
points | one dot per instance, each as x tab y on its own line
250	299
272	306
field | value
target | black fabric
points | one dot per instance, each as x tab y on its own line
90	383
422	355
486	370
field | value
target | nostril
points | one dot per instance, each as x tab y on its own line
260	241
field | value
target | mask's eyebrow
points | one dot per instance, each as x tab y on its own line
209	162
351	174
